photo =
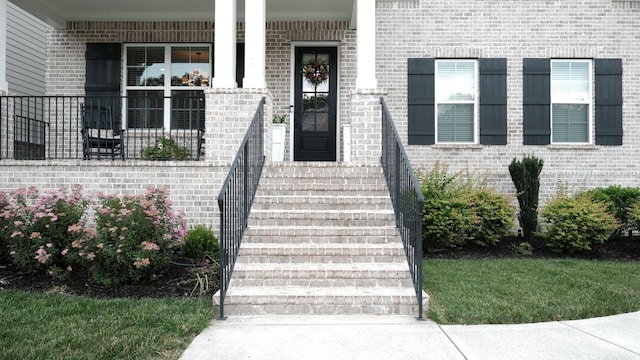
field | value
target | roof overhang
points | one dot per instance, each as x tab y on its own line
58	12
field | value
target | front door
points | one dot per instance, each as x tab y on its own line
315	103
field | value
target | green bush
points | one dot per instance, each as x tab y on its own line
495	215
576	223
634	214
200	244
619	200
525	175
459	209
165	149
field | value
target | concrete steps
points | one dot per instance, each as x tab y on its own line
321	240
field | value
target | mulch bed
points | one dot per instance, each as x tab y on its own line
177	281
180	281
622	249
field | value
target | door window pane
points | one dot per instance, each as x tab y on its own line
315	72
316	112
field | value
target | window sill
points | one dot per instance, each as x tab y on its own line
458	146
580	147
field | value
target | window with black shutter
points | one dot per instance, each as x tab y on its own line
538	108
422	103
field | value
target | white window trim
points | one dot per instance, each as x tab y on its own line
167	88
588	102
476	98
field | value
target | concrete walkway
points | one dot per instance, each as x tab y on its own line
402	337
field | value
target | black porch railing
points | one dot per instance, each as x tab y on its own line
236	197
407	199
83	127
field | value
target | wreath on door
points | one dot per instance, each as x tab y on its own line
316	71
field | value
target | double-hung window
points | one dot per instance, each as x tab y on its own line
164	85
571	101
456	97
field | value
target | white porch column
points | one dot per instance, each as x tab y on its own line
225	44
255	38
366	38
4	86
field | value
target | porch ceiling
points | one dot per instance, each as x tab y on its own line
57	12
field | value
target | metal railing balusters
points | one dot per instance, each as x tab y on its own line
62	116
406	197
236	198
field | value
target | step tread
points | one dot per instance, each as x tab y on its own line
267	293
338	267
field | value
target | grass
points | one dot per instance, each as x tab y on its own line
505	291
57	326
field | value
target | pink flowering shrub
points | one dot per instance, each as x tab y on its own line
134	237
5	221
39	228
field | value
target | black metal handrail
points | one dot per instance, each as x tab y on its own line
406	196
59	127
236	197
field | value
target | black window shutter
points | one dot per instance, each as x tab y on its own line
421	105
493	101
239	64
536	101
102	77
102	68
608	106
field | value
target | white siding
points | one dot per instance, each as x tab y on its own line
26	42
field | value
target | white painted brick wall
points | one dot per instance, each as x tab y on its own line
517	30
193	185
421	28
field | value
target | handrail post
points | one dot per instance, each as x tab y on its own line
223	256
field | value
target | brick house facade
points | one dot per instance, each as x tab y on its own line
404	30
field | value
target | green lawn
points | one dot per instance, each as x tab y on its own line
503	291
57	326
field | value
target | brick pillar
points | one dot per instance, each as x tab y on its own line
366	136
228	115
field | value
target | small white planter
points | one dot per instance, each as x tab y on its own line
278	141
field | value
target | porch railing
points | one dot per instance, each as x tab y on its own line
51	127
236	197
407	198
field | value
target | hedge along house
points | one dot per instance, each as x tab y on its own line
471	83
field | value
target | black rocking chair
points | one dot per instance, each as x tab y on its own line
101	135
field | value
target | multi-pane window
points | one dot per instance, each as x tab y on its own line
570	101
164	85
456	100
